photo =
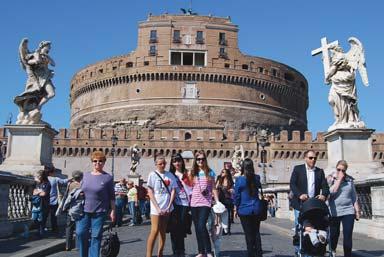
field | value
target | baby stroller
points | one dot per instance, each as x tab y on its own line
313	229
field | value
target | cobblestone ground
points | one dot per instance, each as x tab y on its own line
133	243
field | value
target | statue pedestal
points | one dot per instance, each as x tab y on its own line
29	148
354	146
134	178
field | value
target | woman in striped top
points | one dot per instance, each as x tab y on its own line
202	179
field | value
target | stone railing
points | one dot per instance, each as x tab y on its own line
15	207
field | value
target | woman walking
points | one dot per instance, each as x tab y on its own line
40	201
181	204
224	185
248	208
161	191
343	206
99	193
202	179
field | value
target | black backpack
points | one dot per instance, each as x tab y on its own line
110	246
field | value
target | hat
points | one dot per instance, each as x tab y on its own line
219	208
77	174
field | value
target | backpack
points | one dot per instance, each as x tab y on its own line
110	246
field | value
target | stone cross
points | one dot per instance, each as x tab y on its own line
324	50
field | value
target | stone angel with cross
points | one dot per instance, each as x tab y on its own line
340	72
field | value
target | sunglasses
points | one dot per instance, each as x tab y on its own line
177	160
98	161
312	158
341	170
200	159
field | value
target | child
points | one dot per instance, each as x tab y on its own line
217	222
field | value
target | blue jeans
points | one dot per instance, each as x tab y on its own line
296	215
93	222
132	208
142	206
348	223
200	218
120	204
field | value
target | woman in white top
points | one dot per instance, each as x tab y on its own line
161	192
181	204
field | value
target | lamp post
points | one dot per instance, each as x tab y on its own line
114	140
262	139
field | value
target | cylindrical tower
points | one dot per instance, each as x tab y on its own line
189	68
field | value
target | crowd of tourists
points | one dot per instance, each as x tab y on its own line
175	199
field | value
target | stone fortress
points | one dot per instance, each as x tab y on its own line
187	70
187	86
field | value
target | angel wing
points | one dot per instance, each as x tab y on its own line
23	52
356	59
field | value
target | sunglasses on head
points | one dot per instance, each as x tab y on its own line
200	159
98	161
312	157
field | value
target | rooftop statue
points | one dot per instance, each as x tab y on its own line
238	157
38	88
340	72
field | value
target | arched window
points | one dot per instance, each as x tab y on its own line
187	136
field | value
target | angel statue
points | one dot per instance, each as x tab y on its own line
38	88
135	158
341	75
238	157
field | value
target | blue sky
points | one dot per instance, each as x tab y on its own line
83	32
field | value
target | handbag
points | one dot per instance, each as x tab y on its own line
111	244
263	206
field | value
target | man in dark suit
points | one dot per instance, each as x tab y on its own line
307	181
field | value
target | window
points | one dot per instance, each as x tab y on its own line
289	77
114	68
199	59
175	58
176	36
260	69
222	53
274	72
187	136
187	58
227	65
152	50
199	37
101	70
153	36
222	40
129	64
244	67
146	63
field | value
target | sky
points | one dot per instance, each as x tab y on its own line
84	32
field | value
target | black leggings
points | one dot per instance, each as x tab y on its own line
348	223
251	227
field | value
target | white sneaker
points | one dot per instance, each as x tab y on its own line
333	253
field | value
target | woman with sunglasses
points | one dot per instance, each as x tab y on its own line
181	204
202	179
99	193
343	206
